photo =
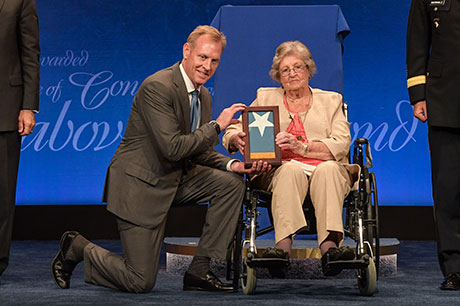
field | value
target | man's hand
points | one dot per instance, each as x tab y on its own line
257	167
226	116
237	142
420	111
26	122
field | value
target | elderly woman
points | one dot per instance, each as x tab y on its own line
315	132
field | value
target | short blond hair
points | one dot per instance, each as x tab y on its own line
291	48
214	33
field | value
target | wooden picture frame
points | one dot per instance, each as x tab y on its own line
260	137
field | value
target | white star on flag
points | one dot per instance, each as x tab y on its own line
261	122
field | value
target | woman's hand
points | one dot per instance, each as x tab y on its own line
237	143
289	141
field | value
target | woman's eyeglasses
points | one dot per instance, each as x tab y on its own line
296	69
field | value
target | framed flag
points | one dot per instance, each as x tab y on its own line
261	125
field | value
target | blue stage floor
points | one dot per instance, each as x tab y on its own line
28	281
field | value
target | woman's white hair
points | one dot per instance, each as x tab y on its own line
291	48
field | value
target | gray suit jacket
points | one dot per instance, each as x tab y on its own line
145	172
19	60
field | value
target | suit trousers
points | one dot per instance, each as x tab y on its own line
137	269
445	173
10	148
329	184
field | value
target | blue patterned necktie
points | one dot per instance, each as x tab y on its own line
194	111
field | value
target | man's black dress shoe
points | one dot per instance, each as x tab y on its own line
62	268
335	254
207	283
452	282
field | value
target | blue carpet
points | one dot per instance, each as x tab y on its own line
27	281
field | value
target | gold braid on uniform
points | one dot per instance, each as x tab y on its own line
416	80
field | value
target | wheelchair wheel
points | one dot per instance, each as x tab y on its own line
374	203
235	261
371	233
367	279
248	279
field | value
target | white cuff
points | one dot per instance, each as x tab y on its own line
230	162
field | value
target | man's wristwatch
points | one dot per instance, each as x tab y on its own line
215	125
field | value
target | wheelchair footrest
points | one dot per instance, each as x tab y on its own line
267	262
349	264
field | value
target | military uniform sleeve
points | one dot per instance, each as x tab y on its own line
418	49
30	54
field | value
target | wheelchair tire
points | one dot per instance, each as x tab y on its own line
237	253
371	231
367	279
374	202
248	279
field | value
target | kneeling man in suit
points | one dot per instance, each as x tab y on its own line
166	157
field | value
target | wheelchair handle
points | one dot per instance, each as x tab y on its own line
359	156
361	141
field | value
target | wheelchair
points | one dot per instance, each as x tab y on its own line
361	225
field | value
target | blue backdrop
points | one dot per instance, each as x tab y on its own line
96	53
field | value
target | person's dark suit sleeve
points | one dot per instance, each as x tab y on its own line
30	54
211	158
159	111
418	49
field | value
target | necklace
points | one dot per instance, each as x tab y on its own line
300	116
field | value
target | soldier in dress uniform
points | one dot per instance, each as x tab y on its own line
433	80
19	101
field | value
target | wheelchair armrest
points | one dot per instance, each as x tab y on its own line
362	156
262	194
259	193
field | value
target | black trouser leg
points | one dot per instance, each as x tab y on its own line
10	147
445	171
